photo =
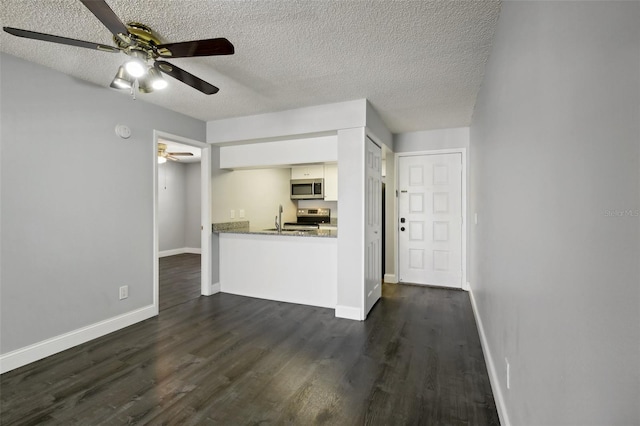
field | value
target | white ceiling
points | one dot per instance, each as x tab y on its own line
420	63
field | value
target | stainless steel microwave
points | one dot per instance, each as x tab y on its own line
307	189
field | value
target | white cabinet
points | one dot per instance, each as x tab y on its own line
331	182
327	171
315	171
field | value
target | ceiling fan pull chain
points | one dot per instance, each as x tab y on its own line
134	88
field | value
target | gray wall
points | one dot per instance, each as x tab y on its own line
555	162
430	140
172	202
193	202
77	201
178	205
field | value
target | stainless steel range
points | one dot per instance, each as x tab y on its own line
309	219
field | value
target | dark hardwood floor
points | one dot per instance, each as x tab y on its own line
233	360
179	279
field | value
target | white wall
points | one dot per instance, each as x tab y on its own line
351	154
318	149
257	192
555	160
301	121
74	226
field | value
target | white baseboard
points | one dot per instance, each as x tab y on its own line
183	250
23	356
213	289
348	312
390	278
493	374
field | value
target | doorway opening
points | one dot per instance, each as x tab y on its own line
182	203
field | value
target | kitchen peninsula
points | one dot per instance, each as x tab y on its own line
287	266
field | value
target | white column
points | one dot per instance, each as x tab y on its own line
351	247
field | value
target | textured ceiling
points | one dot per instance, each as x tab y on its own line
420	63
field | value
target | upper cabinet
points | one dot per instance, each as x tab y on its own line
308	172
328	172
331	182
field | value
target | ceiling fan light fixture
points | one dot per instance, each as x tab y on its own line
157	82
136	66
142	46
144	85
122	80
161	159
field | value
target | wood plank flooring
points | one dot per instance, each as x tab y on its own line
233	360
179	279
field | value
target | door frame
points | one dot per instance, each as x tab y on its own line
206	289
465	228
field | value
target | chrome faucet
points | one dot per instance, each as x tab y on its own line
279	219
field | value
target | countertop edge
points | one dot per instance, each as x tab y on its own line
312	234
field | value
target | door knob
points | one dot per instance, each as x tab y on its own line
402	229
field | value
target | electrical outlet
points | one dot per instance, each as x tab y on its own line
241	213
124	292
232	214
506	361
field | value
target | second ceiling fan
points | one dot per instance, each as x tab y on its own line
164	155
142	46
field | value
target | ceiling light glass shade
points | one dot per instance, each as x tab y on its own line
144	84
136	66
161	160
157	82
122	80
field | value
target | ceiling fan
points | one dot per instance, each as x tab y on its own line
163	155
142	46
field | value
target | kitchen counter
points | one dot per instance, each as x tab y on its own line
294	267
244	228
321	233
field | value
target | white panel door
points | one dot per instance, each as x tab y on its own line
430	214
373	225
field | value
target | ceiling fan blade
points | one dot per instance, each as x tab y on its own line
104	13
186	78
61	40
169	157
184	154
209	47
